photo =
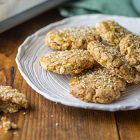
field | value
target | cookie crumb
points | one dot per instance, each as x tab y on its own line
15	133
11	100
24	113
57	124
7	124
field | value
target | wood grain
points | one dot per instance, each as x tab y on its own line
129	125
46	120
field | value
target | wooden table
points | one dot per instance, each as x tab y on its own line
46	120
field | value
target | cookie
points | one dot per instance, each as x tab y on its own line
111	32
97	85
68	61
110	58
11	100
130	48
70	38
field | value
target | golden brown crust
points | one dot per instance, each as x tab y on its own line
111	31
130	48
11	100
97	85
110	58
67	62
70	38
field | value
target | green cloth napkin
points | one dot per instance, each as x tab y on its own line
114	7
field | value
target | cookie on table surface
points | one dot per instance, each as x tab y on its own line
130	48
11	100
71	38
110	58
97	85
111	31
68	61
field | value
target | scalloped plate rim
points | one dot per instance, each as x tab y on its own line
38	33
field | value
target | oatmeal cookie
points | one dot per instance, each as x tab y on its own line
68	61
11	100
97	85
130	48
111	32
110	58
71	38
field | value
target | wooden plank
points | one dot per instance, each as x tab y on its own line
129	125
46	120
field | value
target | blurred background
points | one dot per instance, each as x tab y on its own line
13	12
10	8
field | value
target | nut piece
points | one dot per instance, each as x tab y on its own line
7	124
11	100
71	38
110	58
67	62
97	85
111	32
130	48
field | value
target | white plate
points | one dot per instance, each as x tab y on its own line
55	87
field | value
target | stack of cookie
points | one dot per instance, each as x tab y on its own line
101	60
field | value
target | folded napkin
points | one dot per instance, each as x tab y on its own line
114	7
